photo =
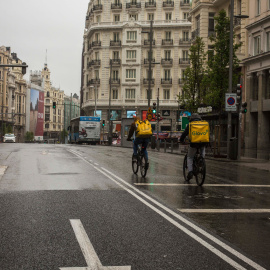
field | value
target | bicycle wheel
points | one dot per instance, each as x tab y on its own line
135	165
144	166
185	168
200	171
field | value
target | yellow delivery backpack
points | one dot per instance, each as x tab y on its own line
199	131
143	129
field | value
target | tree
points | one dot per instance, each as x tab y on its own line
193	89
29	136
217	81
64	133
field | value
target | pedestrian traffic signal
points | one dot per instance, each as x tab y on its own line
244	107
54	105
158	116
103	123
154	108
239	93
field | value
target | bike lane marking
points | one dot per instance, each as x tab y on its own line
211	248
89	253
205	185
224	210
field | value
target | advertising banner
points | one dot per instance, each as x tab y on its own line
37	113
89	127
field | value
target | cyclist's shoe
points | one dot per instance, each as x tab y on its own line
189	176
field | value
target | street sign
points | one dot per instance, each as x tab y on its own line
184	122
230	102
149	116
149	111
166	113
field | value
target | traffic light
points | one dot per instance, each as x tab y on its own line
54	105
158	116
103	123
154	108
239	93
244	107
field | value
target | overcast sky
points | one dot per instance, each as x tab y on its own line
30	27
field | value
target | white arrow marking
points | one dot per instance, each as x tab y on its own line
91	258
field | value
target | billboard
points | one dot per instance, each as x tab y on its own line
37	113
89	128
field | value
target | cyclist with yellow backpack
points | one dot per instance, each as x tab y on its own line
198	132
142	131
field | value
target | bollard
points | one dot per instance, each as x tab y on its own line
165	146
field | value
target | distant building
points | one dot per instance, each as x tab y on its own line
72	109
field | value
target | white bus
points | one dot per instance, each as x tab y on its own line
85	129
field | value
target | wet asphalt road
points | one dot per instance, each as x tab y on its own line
151	223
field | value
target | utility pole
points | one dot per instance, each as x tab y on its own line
70	104
110	122
158	120
150	62
229	125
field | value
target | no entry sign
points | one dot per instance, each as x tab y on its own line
230	102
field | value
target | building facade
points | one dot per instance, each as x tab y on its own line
72	109
13	94
257	119
53	117
116	58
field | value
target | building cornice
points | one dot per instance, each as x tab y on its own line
261	21
256	58
199	5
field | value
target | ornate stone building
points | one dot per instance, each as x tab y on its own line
116	53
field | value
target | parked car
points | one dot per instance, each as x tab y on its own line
9	138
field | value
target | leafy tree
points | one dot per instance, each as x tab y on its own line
64	133
217	81
29	136
193	89
9	129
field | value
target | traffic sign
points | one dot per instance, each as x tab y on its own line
149	110
149	116
230	102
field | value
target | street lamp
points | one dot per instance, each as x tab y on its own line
229	127
95	89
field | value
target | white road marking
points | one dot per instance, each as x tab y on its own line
224	210
2	170
96	164
184	220
205	185
91	258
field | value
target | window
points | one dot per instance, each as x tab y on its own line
47	125
116	37
197	22
47	101
130	93
257	45
98	18
183	74
185	55
97	36
117	18
268	4
168	35
131	73
167	55
258	7
268	41
150	16
115	55
86	95
133	16
168	16
131	54
47	109
167	74
185	35
211	22
97	55
166	94
185	15
115	94
115	74
96	74
132	35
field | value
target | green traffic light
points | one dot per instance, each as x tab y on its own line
154	111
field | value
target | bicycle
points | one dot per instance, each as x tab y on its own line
140	161
199	168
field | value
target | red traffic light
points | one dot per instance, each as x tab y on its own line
239	86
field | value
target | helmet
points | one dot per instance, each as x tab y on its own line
195	116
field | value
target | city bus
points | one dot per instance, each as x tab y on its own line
84	129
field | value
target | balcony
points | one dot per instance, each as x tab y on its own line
166	81
115	43
133	5
95	62
183	41
146	81
185	3
93	81
114	81
150	4
168	4
146	61
97	8
147	42
184	61
195	33
116	6
115	62
166	61
168	42
96	43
